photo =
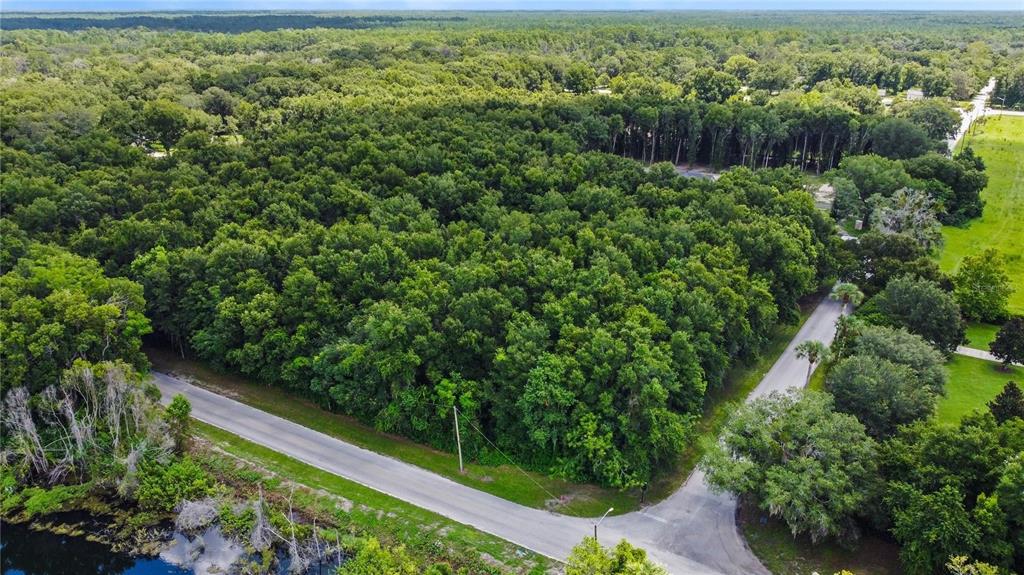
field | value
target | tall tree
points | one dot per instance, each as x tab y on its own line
847	293
799	460
1008	404
899	139
922	308
982	287
1008	346
910	212
814	352
880	393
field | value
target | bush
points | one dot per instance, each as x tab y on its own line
372	559
177	415
162	487
237	520
39	501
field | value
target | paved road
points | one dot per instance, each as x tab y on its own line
693	532
978	109
700	524
547	533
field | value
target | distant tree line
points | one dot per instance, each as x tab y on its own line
227	23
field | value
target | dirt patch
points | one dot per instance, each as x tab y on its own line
559	502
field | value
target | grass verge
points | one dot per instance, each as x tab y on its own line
781	553
972	384
1000	142
374	513
817	382
505	481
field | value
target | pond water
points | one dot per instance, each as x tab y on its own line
24	551
27	552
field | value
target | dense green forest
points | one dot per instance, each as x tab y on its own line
480	213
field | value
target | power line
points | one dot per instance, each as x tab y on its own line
521	470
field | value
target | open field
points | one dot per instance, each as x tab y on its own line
972	384
375	513
1000	142
506	481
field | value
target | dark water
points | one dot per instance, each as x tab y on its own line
24	551
27	552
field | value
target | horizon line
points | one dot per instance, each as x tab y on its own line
514	10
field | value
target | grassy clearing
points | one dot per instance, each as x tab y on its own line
1000	142
781	553
972	384
505	481
979	335
376	514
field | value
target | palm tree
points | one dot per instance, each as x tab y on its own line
848	294
814	352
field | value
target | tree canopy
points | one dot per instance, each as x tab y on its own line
799	460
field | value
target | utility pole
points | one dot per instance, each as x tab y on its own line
458	440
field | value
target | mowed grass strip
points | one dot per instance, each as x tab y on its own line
374	512
972	384
506	481
1000	142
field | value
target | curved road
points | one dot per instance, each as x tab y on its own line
693	531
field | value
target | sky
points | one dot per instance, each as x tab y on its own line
141	5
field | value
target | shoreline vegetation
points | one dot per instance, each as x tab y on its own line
344	514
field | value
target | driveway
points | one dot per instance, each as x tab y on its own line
978	354
691	532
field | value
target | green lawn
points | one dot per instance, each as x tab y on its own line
979	335
375	513
817	382
506	481
972	384
1000	142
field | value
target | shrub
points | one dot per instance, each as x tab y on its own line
162	487
39	501
237	520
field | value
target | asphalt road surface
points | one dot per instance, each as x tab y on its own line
691	532
978	109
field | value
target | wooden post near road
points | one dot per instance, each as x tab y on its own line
458	440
